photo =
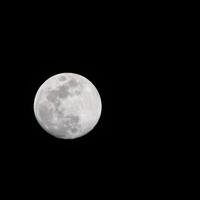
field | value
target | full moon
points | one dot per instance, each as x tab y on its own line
67	106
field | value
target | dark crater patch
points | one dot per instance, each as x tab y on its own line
72	119
62	78
45	114
62	91
52	95
71	123
73	83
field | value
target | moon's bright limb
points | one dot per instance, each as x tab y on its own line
67	105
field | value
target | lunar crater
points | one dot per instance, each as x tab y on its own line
62	78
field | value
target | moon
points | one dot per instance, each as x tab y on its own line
67	106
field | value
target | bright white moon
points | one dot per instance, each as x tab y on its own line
67	105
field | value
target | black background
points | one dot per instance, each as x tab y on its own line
128	143
135	138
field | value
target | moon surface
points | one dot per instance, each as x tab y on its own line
67	105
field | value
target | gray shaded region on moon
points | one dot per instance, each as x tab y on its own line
62	78
69	123
62	91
